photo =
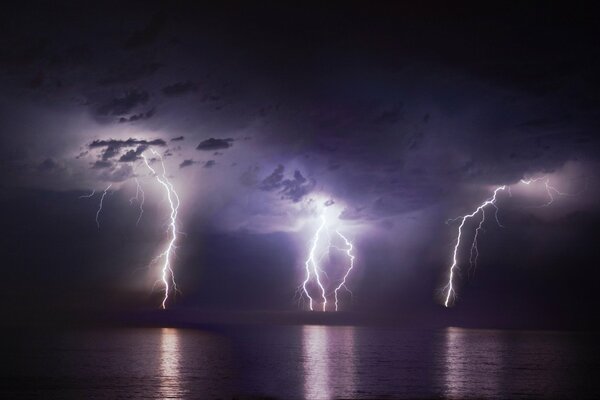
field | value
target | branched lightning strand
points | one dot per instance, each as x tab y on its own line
311	261
139	193
451	294
101	204
173	198
87	196
312	266
551	191
350	267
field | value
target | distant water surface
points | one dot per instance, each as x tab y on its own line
295	362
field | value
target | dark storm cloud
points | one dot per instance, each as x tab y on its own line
297	187
187	163
210	164
137	117
126	143
133	155
215	144
273	181
123	104
112	147
178	139
179	89
293	189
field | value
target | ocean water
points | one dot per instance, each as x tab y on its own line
298	362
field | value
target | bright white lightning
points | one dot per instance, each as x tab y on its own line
311	261
167	254
351	266
312	266
551	192
100	205
139	194
451	294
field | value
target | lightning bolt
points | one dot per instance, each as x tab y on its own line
100	205
173	199
139	193
312	267
87	196
551	191
351	266
311	261
451	293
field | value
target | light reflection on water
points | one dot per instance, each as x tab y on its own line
474	363
169	374
295	362
329	360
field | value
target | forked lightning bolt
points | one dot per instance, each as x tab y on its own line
311	263
312	267
449	288
167	254
100	205
549	189
450	293
350	267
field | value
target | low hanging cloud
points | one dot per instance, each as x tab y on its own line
112	147
215	144
133	155
294	188
187	163
137	117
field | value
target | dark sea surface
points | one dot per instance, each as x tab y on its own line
296	362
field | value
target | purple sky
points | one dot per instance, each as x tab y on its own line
402	115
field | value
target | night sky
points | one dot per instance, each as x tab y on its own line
394	116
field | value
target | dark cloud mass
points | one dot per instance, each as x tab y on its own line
215	144
294	189
112	147
133	155
137	117
187	163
